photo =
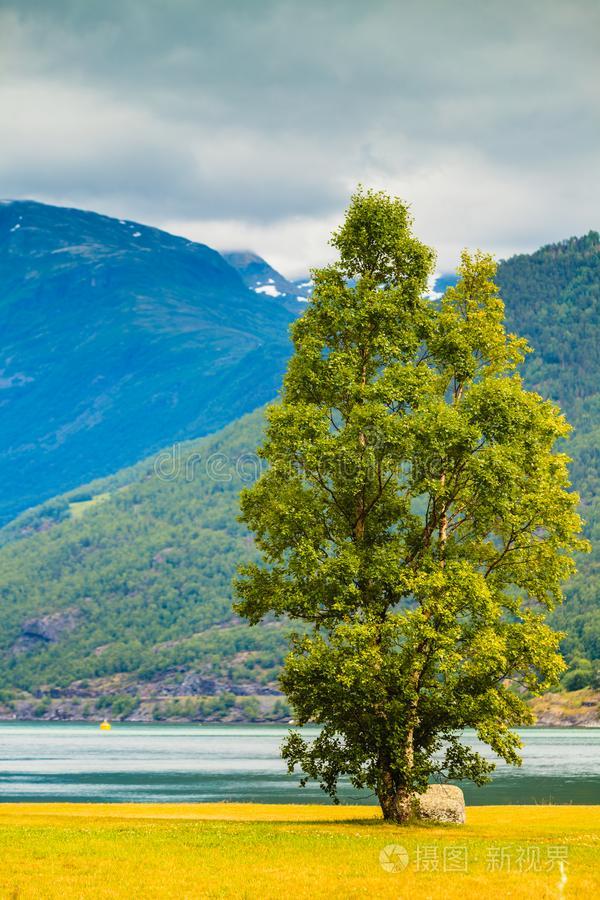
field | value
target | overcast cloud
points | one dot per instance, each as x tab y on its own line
248	124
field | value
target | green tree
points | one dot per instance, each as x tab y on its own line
414	516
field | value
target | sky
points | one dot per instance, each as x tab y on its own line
247	124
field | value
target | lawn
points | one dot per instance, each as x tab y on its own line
259	851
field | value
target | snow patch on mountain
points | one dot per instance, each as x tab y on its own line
269	289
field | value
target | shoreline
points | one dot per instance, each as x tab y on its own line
95	722
557	710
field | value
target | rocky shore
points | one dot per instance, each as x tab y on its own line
573	708
195	698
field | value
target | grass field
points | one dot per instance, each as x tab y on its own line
258	851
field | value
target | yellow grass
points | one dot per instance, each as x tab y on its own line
269	851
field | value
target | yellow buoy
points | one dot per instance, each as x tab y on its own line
105	725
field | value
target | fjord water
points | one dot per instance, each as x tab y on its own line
193	763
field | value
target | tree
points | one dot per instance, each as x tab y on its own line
414	517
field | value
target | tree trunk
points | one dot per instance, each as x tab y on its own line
443	527
396	803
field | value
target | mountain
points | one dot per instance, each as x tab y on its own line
263	279
117	597
118	339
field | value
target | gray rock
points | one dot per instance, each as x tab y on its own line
51	627
442	803
44	630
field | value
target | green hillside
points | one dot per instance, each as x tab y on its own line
120	593
552	297
116	597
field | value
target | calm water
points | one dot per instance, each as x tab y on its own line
64	761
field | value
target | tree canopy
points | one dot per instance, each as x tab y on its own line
415	515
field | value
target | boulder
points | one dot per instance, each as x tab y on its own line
442	803
44	630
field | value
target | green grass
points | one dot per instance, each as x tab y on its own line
258	851
80	507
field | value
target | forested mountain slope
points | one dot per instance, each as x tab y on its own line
117	339
122	590
553	298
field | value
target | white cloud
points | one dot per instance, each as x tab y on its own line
482	116
290	245
456	203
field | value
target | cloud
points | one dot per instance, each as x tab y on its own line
248	124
